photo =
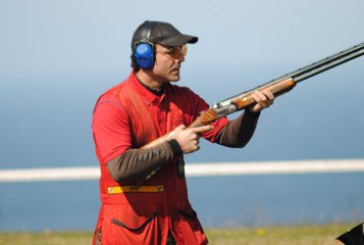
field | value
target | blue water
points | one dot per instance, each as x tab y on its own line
45	122
231	201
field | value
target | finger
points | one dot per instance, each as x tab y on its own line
268	94
196	147
255	96
180	127
263	101
270	97
202	129
261	96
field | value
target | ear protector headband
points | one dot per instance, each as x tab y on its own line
144	50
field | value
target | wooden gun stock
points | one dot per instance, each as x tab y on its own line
241	102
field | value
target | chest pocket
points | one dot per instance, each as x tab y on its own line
143	127
176	117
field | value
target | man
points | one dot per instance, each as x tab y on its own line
143	187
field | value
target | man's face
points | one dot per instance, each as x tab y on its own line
168	63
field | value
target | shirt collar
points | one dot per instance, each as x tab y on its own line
148	96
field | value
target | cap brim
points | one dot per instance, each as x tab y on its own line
179	40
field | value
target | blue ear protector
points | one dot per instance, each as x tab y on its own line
144	55
144	51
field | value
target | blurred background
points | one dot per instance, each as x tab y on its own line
57	57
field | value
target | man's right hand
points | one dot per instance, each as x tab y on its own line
188	138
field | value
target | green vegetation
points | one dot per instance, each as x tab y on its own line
298	235
46	238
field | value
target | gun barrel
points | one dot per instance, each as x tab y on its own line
327	63
311	70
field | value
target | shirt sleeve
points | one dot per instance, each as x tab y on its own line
138	163
110	127
238	132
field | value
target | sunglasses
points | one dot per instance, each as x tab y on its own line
175	52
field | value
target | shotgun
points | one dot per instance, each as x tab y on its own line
277	86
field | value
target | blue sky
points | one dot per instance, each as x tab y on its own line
58	56
53	37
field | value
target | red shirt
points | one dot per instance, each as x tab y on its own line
112	128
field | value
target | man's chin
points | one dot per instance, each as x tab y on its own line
175	75
175	78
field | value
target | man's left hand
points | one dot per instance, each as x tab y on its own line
263	99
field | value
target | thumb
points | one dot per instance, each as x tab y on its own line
173	132
180	127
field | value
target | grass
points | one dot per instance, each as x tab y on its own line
294	235
46	238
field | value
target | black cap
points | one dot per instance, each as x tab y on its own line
162	33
